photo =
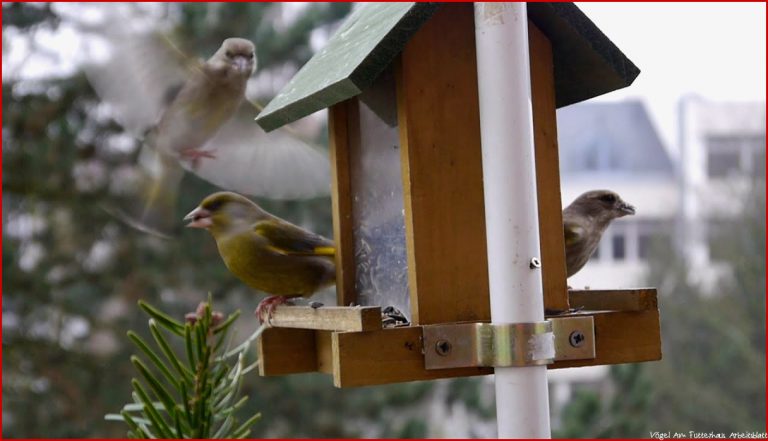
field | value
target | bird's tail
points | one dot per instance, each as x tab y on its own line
151	205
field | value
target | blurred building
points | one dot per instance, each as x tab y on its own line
614	145
722	152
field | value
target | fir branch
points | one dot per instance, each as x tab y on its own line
204	399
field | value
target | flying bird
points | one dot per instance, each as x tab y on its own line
584	222
211	95
193	115
265	252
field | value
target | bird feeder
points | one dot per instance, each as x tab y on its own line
400	84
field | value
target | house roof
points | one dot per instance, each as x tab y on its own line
610	138
586	62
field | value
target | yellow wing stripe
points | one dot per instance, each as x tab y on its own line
318	251
276	249
325	251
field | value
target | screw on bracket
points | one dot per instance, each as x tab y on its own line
576	339
535	263
442	347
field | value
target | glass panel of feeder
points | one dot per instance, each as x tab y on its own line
377	201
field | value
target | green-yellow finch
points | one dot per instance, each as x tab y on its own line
267	253
584	222
195	115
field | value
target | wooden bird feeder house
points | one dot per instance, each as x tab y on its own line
400	83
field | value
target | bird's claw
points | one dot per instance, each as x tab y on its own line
196	155
268	306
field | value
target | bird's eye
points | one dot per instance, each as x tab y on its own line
229	54
250	56
213	205
609	198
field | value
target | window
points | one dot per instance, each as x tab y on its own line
759	163
644	246
619	247
722	164
738	154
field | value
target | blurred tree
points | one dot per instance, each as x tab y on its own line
620	413
712	377
73	273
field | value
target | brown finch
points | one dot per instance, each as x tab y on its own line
584	222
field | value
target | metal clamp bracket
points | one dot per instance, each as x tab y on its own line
504	345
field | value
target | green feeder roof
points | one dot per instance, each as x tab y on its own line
586	62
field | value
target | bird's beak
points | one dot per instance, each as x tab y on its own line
199	217
626	209
242	64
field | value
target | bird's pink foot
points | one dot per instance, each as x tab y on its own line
196	155
267	306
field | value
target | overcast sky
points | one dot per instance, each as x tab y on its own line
715	50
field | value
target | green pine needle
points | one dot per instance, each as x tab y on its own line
141	344
197	396
162	318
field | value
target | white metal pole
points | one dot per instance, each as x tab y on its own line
511	216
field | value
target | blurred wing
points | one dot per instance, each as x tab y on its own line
148	203
573	232
290	239
140	78
276	165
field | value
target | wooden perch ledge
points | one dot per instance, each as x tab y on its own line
350	344
328	318
641	299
